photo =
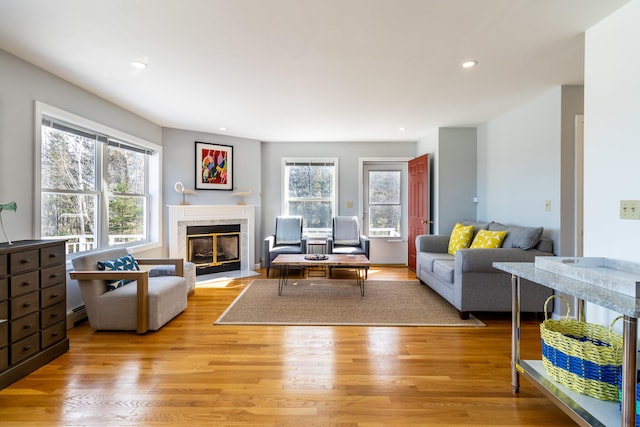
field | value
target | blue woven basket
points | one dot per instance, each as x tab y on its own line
584	357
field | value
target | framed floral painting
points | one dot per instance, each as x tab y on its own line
214	166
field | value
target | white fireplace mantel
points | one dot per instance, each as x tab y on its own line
181	216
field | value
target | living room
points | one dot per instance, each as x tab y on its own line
524	156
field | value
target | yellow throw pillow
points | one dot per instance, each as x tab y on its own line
488	239
460	237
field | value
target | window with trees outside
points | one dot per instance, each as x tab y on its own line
310	190
94	186
385	206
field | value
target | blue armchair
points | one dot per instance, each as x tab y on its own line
346	238
288	239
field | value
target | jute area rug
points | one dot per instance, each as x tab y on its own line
338	302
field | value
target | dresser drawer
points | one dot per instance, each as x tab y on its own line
21	306
24	326
23	261
4	310
4	333
52	295
53	334
52	276
52	255
24	283
25	348
51	315
4	359
3	265
4	289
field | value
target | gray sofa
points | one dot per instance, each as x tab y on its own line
468	280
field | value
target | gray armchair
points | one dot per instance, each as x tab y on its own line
147	304
346	238
288	239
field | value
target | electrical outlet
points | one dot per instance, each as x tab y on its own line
630	209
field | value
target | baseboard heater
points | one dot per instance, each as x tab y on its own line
78	314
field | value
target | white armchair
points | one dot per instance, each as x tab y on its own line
147	304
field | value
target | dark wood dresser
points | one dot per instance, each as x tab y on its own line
33	287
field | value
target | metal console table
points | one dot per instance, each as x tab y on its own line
583	409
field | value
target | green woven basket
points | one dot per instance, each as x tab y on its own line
584	357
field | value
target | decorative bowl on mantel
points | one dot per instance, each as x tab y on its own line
612	274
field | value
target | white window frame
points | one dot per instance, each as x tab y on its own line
311	232
154	214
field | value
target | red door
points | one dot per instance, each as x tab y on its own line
419	215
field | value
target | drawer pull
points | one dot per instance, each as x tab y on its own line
26	304
52	255
54	296
27	347
53	276
54	315
26	283
25	261
26	327
55	334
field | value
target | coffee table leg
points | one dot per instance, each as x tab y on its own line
360	276
283	279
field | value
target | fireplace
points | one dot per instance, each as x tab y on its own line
214	248
183	216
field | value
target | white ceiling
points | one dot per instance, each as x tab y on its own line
308	70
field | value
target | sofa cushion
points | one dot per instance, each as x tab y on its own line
477	226
426	259
518	237
285	249
488	239
443	270
124	263
460	237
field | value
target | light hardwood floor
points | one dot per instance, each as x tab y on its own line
192	373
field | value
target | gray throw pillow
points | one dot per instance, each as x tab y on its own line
518	237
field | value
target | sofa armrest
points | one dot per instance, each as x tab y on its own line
267	245
178	263
481	260
365	244
142	291
436	243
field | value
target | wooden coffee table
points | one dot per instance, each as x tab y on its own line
359	263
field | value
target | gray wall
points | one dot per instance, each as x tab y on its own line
458	163
453	162
611	148
523	157
20	86
179	165
348	154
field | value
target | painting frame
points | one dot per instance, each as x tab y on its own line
213	166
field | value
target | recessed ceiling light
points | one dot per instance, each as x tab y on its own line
223	128
138	64
402	129
469	64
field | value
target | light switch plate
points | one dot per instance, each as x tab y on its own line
630	209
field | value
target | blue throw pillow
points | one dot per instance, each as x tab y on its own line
124	263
